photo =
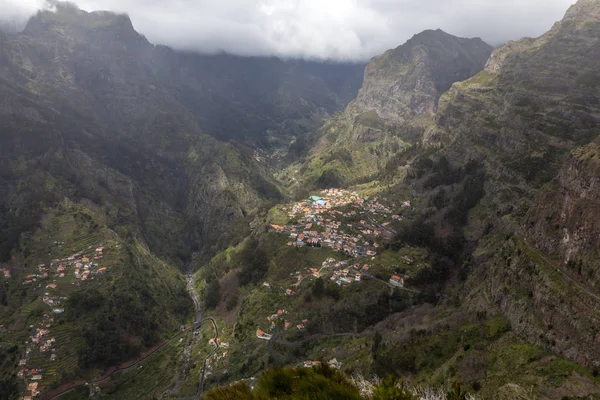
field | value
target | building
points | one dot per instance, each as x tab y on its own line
262	335
397	281
310	364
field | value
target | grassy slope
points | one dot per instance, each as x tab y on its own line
78	228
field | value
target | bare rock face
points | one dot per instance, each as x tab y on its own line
565	220
408	81
532	119
397	101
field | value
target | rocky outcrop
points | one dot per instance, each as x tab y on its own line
397	101
564	221
408	81
531	118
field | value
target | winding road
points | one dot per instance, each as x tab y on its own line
198	322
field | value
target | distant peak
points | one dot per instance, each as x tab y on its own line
438	34
65	13
431	33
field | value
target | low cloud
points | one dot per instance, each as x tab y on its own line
332	29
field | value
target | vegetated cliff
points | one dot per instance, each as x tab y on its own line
564	222
87	113
397	101
536	101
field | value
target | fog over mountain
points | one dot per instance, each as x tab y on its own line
335	29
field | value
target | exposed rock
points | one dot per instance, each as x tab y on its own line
564	220
397	102
407	81
537	101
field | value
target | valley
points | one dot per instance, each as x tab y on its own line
183	226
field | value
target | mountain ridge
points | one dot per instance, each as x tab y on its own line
466	245
395	105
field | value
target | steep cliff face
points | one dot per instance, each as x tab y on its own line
535	95
564	222
531	118
397	101
257	100
408	81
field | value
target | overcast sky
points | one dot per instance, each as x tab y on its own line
332	29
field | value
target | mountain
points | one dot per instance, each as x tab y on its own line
257	100
407	82
397	101
530	119
107	141
145	105
455	237
113	133
475	248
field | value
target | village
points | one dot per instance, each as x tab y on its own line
327	221
51	278
341	220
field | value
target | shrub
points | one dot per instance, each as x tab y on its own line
213	294
389	389
254	262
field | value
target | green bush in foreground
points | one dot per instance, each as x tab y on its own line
319	383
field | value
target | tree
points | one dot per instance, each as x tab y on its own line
213	294
377	338
318	289
255	263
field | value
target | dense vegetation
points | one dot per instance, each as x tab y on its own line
319	383
128	308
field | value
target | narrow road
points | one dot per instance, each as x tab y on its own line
201	383
188	349
390	230
201	386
